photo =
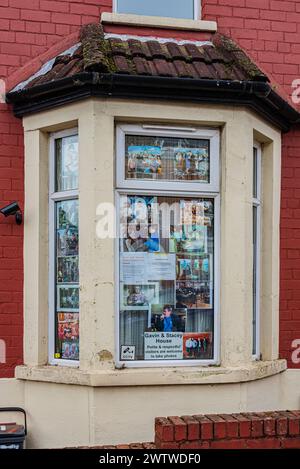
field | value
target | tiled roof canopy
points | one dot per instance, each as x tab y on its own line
102	65
221	59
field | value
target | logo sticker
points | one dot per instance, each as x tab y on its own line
127	352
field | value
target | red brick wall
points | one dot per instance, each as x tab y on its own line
290	250
28	28
262	430
268	29
268	430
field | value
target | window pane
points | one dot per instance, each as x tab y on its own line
255	173
169	8
167	158
67	281
166	278
255	225
66	163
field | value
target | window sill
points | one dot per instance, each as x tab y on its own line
159	22
151	376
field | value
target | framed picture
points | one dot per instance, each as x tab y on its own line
184	269
193	295
67	242
144	161
161	323
191	163
197	345
68	326
139	295
139	227
70	350
68	298
192	240
67	269
193	268
196	213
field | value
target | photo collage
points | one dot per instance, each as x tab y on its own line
67	280
173	283
139	225
167	158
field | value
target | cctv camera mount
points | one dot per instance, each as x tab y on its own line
19	218
13	210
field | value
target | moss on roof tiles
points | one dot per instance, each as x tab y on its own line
95	49
219	59
239	58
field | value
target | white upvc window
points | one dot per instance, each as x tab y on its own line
63	249
167	250
184	9
205	177
256	209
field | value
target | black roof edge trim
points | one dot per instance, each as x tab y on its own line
259	96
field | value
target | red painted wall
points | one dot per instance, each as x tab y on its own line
269	30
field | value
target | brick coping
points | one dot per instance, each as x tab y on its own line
246	430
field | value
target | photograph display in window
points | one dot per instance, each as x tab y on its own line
167	318
140	295
195	346
166	294
67	280
167	158
68	335
144	161
139	224
67	269
193	295
70	351
68	298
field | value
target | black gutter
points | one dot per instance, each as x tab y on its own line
257	95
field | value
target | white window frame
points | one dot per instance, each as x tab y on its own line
197	9
168	131
257	202
151	188
55	197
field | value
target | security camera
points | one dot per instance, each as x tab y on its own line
12	210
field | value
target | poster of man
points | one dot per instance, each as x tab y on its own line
169	320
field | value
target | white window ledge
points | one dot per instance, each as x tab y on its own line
151	376
159	22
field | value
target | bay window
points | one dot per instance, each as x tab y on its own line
187	9
63	243
168	219
184	282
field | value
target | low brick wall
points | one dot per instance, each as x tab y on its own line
256	430
265	430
